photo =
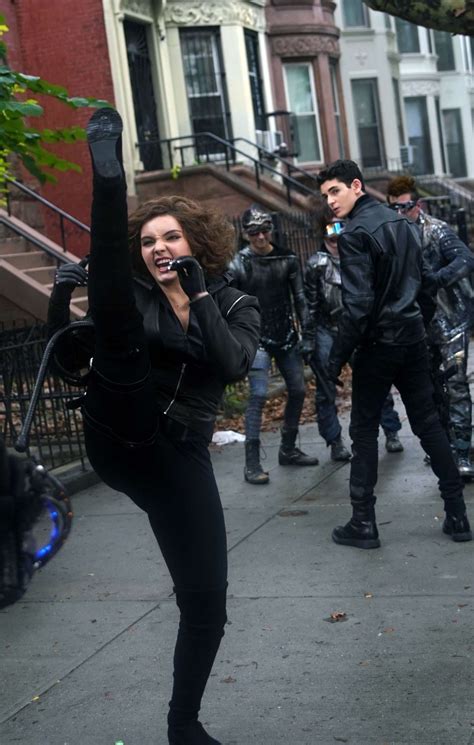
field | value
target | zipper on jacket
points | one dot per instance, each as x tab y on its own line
183	368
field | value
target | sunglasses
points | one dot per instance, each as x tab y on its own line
403	206
333	230
257	231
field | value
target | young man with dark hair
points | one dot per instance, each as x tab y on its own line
385	288
448	333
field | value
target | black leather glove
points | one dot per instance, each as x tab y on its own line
332	373
306	348
71	276
191	275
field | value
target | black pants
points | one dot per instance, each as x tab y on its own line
164	467
376	368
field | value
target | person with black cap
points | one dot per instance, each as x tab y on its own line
273	275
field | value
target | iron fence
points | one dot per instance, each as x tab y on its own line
56	435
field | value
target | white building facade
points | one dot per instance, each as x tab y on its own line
409	93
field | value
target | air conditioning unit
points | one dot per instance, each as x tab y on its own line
407	155
268	139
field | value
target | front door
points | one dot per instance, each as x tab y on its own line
141	79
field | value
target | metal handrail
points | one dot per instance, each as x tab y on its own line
56	255
283	161
61	213
288	181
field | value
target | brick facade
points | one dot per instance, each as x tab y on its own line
65	44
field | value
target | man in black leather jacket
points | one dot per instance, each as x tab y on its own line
387	294
274	276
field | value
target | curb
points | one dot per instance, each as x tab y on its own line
75	476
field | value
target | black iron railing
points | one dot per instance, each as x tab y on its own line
63	217
206	147
56	435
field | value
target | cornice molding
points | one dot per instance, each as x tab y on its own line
213	14
142	8
420	88
302	45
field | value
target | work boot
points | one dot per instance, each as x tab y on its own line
392	443
361	530
339	450
253	471
289	454
465	467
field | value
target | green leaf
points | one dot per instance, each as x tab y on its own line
22	108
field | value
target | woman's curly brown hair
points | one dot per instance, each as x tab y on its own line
209	233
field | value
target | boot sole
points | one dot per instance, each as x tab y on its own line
291	463
103	132
369	543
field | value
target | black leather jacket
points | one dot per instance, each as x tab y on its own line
189	369
322	286
276	280
386	284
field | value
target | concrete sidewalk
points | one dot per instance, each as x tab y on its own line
86	655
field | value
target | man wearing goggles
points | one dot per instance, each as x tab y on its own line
449	331
273	275
385	288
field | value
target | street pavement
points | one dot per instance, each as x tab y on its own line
86	654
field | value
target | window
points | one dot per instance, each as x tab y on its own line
205	85
407	37
398	109
444	50
355	14
419	134
301	99
454	142
337	109
367	111
388	22
251	46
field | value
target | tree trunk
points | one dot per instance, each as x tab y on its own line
455	16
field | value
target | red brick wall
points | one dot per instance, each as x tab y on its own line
65	44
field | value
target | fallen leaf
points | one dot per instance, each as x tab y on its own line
368	595
229	679
337	616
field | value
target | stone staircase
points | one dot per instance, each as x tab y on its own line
28	261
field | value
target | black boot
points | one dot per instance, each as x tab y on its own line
463	461
392	443
191	733
339	452
253	471
361	530
456	523
104	131
289	454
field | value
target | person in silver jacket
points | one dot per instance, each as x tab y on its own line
449	331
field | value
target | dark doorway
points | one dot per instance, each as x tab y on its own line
144	104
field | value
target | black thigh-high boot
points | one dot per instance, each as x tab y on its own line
119	397
201	628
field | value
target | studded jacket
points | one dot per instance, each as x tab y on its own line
387	288
276	280
322	286
452	262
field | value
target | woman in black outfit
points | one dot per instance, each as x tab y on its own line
164	351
